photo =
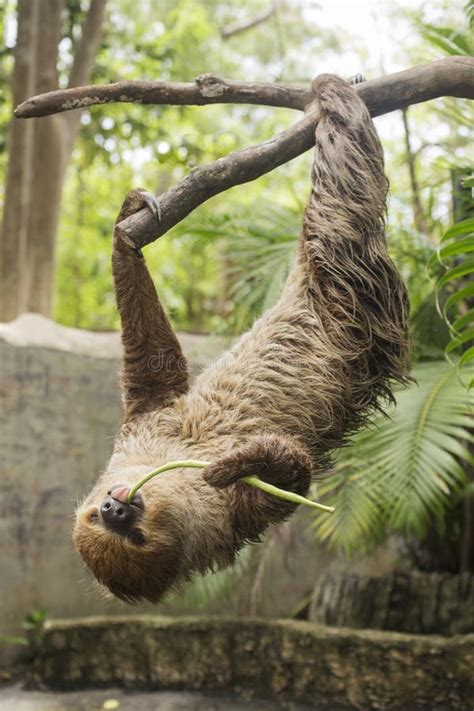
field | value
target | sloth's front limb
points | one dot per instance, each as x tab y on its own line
278	460
154	368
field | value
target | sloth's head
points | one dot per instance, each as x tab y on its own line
134	549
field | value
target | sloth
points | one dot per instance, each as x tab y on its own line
292	390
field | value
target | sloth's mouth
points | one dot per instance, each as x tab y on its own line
118	514
120	492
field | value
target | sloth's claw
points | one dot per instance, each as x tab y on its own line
152	202
356	79
134	202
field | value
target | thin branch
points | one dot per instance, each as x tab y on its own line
206	89
233	30
453	76
424	146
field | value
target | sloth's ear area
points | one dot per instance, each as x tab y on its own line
278	460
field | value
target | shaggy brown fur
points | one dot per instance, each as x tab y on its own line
306	376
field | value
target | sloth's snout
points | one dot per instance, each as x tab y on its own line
117	513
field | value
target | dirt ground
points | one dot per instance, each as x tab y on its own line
14	698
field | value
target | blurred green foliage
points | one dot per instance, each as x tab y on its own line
226	262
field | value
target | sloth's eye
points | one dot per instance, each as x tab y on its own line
94	516
136	537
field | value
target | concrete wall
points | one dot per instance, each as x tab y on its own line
59	410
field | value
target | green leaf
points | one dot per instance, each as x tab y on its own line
460	270
460	246
465	293
405	472
466	358
459	228
460	340
463	321
449	40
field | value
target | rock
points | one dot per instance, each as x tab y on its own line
287	660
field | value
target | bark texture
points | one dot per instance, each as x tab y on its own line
422	603
290	661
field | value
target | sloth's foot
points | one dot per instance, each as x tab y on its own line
277	460
136	200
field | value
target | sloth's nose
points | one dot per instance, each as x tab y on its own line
117	513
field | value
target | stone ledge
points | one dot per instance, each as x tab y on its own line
36	331
284	659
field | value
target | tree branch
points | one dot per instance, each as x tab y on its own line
452	76
206	89
206	181
250	163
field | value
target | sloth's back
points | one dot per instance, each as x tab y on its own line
276	378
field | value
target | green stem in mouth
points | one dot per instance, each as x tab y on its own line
165	468
252	480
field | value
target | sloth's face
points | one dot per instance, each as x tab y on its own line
134	550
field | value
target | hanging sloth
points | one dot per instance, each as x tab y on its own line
304	378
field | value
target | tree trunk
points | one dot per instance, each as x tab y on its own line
419	218
47	168
38	156
14	228
418	603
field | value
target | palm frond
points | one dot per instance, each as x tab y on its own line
259	247
449	40
454	256
405	472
